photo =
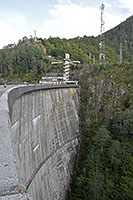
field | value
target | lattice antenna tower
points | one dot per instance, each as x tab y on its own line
102	29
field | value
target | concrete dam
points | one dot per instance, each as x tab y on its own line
39	134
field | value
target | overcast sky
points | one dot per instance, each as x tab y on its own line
62	18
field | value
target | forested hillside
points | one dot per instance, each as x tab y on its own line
86	49
28	60
123	33
25	61
105	160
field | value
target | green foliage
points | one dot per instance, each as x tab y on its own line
105	166
123	33
105	163
86	49
23	61
27	59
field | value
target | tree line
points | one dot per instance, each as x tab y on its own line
26	60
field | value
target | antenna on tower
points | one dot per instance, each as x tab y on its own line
120	58
102	29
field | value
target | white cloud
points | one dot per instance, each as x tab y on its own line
61	1
13	18
71	20
13	27
107	5
128	4
112	20
66	19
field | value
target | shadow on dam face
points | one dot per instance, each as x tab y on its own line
41	141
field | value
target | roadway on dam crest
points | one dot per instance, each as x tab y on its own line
3	89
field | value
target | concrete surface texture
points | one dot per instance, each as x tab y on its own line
43	139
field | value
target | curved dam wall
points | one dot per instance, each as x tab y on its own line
44	131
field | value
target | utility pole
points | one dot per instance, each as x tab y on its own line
101	44
35	38
120	58
90	56
94	60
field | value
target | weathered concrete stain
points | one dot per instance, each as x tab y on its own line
44	136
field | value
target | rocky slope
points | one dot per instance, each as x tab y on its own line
105	159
